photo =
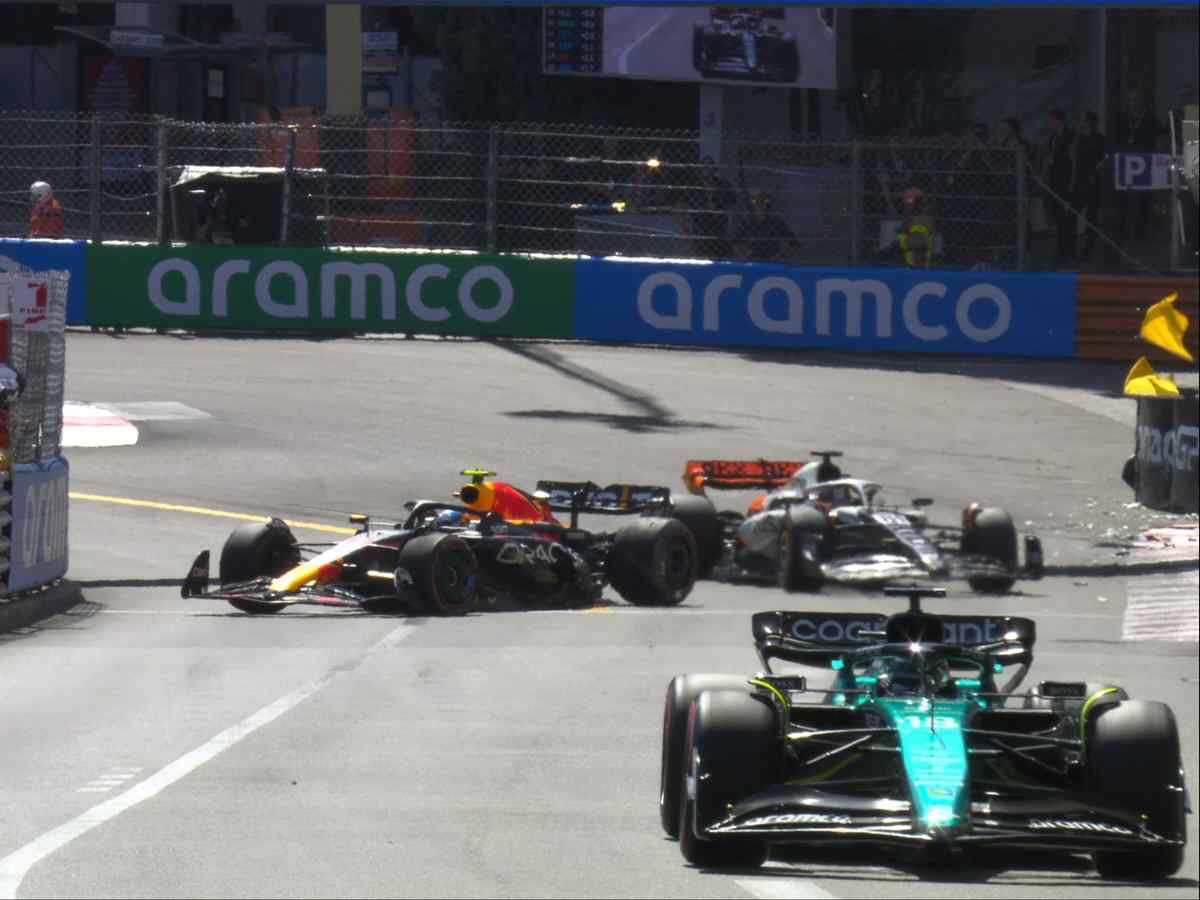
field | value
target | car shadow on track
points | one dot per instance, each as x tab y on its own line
631	423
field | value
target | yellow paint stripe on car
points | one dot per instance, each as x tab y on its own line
205	511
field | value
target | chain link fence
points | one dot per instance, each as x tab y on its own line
529	188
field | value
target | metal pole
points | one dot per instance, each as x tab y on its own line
289	164
1173	206
855	202
162	181
1022	209
492	178
94	182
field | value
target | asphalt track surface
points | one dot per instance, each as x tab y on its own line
155	746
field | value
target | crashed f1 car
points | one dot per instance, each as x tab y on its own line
445	557
814	524
914	746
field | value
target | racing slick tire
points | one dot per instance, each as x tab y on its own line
731	734
442	570
682	690
256	549
1133	760
701	519
992	535
653	562
803	523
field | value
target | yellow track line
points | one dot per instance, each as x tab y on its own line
204	511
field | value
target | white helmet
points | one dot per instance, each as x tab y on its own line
40	190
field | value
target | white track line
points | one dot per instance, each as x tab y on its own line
623	56
15	866
783	888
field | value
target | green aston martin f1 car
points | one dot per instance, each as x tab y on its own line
916	746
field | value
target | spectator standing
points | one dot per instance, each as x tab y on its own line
710	206
764	236
1058	174
46	217
970	188
1012	139
1138	133
1088	149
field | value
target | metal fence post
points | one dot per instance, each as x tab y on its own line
492	187
855	202
94	227
1022	209
289	164
162	181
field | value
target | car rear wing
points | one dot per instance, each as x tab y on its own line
818	638
616	499
739	474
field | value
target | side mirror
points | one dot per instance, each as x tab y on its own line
919	502
363	521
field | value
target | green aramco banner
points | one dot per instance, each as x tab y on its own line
298	289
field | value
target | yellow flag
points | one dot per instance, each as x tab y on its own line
1164	326
1143	381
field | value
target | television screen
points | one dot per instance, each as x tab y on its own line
780	46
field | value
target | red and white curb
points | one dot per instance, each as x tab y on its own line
87	425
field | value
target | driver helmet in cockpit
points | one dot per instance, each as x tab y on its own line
913	676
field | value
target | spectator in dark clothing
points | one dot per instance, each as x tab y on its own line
1138	132
1058	174
711	202
764	236
1012	139
1088	150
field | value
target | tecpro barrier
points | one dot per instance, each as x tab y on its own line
38	552
44	256
724	304
290	289
1167	451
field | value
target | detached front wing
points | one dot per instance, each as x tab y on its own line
1069	822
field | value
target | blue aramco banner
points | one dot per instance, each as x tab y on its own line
901	310
38	551
41	256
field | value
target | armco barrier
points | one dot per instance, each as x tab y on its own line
904	310
1168	443
1110	311
44	256
208	287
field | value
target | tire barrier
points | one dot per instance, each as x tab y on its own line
1163	469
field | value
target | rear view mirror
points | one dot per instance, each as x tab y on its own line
919	502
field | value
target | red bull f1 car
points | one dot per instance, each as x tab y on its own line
444	558
914	746
812	524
